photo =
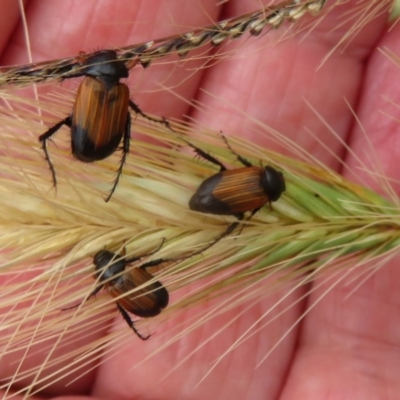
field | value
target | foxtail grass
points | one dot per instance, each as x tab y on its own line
50	235
322	223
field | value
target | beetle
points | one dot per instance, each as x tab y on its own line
100	117
111	274
236	191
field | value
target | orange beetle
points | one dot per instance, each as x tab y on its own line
146	302
236	191
111	274
110	271
100	118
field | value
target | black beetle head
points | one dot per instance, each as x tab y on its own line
273	183
105	66
105	267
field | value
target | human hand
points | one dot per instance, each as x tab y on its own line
343	347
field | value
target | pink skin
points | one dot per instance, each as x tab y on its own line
344	349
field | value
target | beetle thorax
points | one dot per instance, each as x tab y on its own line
273	183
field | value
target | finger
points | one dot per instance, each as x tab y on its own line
9	17
255	84
65	29
350	339
270	84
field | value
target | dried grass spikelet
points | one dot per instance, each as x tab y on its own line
270	16
48	239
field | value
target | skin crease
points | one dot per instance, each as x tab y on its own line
345	348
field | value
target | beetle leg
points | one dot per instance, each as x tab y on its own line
133	259
95	291
158	261
245	162
47	135
206	156
240	216
125	151
161	120
129	321
228	231
253	212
